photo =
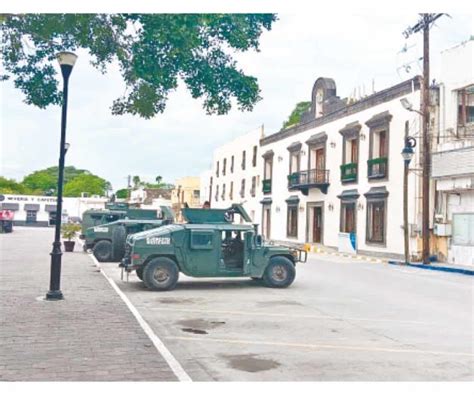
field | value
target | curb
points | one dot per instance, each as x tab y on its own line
448	269
317	250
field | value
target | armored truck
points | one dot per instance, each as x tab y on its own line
210	244
107	240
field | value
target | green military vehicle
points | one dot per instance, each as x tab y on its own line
107	240
209	245
113	212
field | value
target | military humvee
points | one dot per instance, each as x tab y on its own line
208	245
113	212
107	241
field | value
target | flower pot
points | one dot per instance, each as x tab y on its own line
69	245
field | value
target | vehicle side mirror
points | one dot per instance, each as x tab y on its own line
258	240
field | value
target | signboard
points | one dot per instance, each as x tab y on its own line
347	243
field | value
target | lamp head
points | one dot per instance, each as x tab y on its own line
66	61
406	104
407	154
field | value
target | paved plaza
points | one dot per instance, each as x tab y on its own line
342	319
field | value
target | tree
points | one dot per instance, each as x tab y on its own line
44	182
12	187
158	179
295	116
154	52
122	193
136	182
89	183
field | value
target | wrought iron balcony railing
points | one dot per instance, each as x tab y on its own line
267	186
349	172
377	167
306	179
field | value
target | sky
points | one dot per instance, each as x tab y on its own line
358	50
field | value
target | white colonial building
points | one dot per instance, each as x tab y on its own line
453	159
335	179
32	210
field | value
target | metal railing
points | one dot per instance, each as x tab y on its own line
349	172
308	177
267	186
377	167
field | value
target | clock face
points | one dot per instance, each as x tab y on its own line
319	96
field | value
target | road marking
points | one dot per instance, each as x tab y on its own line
172	362
318	346
324	317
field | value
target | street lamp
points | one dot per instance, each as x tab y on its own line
407	105
66	62
407	154
407	151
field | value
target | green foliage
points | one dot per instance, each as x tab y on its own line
295	116
122	194
154	52
89	183
44	182
70	230
12	187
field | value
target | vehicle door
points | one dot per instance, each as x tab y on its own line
204	252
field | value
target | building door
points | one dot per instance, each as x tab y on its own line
52	218
31	216
320	165
317	224
266	223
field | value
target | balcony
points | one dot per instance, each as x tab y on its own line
267	186
304	180
377	168
349	172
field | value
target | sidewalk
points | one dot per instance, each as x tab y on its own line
440	266
89	336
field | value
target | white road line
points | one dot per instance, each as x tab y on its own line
319	346
172	362
324	317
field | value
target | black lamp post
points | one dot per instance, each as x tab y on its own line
407	154
66	61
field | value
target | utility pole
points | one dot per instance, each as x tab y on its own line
129	186
424	24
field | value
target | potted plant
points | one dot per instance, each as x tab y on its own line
69	231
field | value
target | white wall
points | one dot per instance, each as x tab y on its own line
457	71
245	142
72	206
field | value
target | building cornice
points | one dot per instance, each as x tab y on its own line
383	96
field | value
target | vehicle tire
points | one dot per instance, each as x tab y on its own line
119	236
103	251
161	274
139	272
280	272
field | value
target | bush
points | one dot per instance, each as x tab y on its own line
70	230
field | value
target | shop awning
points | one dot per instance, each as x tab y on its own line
10	206
32	207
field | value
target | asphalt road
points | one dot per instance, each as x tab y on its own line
341	320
